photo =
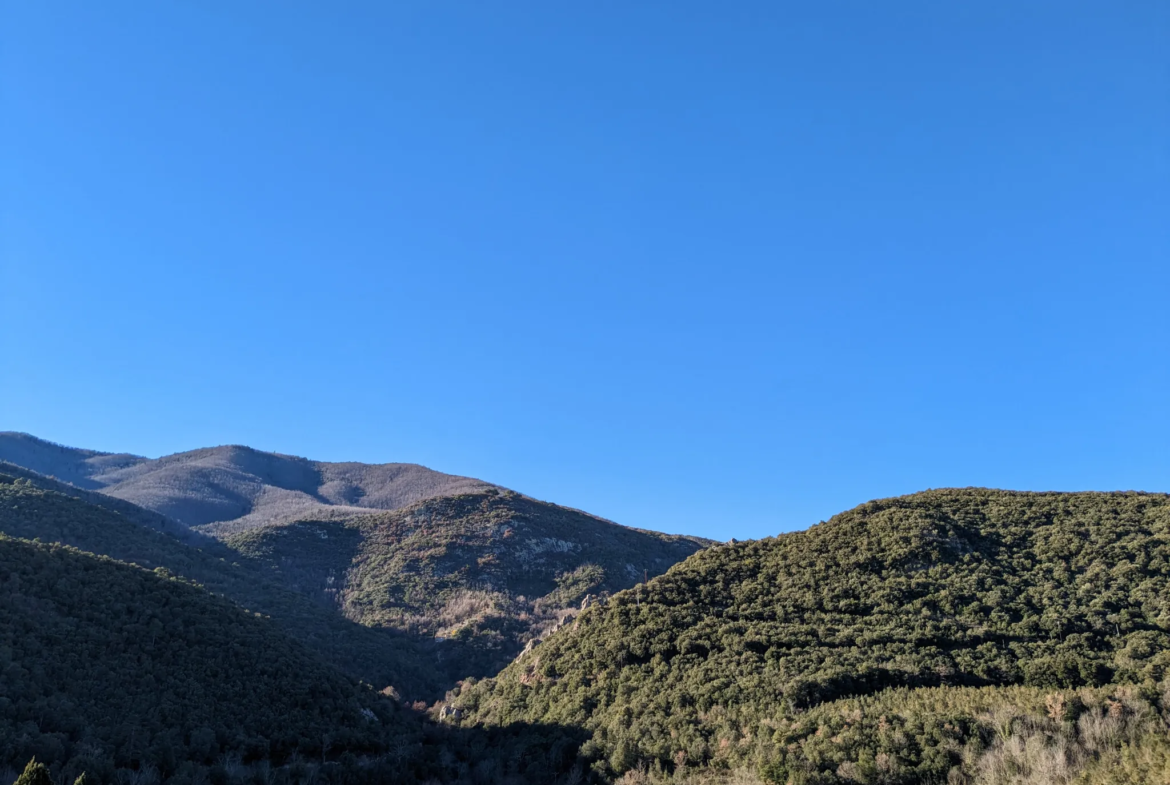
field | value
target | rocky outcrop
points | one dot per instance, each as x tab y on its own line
593	599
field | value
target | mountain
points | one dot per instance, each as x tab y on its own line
939	637
104	665
37	508
131	512
135	676
383	568
967	637
483	573
239	484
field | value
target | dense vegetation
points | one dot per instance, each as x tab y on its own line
30	509
106	665
136	677
131	512
734	657
483	573
452	580
414	599
967	637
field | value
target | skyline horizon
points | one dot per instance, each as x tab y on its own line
592	513
675	264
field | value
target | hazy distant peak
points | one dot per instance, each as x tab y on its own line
73	465
17	440
231	482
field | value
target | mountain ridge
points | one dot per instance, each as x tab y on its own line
927	638
234	482
36	510
465	578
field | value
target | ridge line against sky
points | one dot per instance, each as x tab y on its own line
714	271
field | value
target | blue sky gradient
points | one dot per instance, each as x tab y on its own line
723	269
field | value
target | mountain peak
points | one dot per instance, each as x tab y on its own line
234	482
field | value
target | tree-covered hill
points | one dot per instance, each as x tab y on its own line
727	659
131	512
105	665
483	573
136	677
30	508
415	599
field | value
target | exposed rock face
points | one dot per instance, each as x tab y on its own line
593	599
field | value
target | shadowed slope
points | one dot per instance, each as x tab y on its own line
131	512
106	664
82	468
484	572
130	674
377	656
461	580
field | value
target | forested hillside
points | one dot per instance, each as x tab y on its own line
483	573
106	665
400	565
967	637
805	657
131	512
415	599
130	676
380	657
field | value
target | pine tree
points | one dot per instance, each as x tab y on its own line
34	774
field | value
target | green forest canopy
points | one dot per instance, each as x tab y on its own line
104	664
380	657
720	659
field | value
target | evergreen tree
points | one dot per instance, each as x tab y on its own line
34	774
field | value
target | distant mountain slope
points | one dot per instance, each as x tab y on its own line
720	661
484	571
30	510
132	512
68	464
234	483
106	665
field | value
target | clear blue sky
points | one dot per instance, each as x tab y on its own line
717	268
